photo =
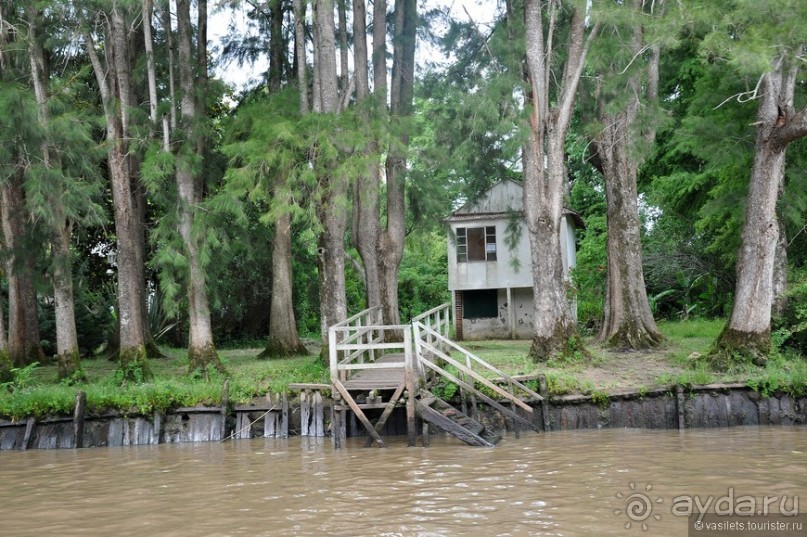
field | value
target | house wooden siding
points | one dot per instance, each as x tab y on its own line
484	290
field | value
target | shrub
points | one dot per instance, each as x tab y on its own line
790	329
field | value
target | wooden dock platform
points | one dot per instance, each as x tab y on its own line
372	372
379	378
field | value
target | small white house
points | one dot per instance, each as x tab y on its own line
489	264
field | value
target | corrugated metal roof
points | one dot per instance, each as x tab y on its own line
500	201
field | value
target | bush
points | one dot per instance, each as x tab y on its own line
790	330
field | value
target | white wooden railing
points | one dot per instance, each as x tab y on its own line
438	322
357	342
471	369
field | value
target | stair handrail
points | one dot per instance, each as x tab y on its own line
355	337
420	328
438	319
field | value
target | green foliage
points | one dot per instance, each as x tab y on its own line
134	367
589	274
601	399
5	367
564	383
574	352
512	237
21	378
445	389
423	276
790	329
588	200
472	114
782	374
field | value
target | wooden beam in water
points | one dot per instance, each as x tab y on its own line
29	433
379	425
358	412
78	419
284	416
225	400
411	386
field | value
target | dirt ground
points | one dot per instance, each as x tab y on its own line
622	370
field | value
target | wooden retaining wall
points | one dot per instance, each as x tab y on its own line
711	406
674	407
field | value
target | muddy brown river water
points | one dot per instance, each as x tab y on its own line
575	483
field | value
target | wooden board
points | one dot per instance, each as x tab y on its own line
378	379
431	415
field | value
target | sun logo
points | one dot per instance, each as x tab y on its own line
638	506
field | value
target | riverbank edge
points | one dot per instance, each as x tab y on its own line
308	414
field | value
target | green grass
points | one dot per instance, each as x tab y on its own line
36	391
40	394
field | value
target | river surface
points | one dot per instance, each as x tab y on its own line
563	483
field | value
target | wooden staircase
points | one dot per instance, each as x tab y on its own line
434	410
363	360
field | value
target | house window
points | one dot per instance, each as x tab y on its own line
476	244
480	304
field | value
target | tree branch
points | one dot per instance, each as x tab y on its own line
793	129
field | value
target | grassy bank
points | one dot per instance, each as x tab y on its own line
680	360
36	392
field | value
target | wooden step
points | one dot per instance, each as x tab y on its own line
437	412
493	438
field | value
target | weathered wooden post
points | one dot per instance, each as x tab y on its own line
284	416
78	419
543	390
270	421
411	383
318	421
679	403
337	420
305	412
514	408
225	401
30	424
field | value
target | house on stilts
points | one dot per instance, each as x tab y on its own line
489	264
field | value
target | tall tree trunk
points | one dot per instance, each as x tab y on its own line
201	350
380	51
138	188
545	172
23	345
331	203
284	340
151	69
69	365
401	106
6	365
316	91
780	266
23	323
366	219
748	332
169	41
344	52
299	54
627	321
114	82
276	44
64	305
